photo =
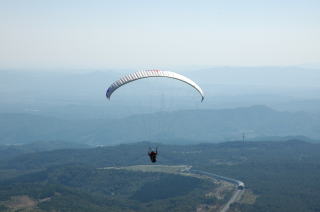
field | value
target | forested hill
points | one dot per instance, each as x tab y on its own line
200	155
180	126
279	176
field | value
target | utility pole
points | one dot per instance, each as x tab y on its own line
243	137
162	104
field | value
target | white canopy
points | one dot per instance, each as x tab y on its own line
151	73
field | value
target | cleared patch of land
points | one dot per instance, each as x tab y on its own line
248	197
155	168
17	203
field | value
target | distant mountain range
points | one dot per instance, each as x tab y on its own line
70	95
189	126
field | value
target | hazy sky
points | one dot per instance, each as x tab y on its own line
162	34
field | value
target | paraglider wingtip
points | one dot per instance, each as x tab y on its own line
202	99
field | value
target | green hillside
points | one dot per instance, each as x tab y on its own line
274	173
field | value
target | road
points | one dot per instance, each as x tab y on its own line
236	195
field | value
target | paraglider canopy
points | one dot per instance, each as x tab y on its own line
151	73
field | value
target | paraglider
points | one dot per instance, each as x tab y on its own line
147	74
153	155
151	73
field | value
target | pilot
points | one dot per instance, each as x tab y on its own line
153	155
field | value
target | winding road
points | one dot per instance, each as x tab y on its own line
236	195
